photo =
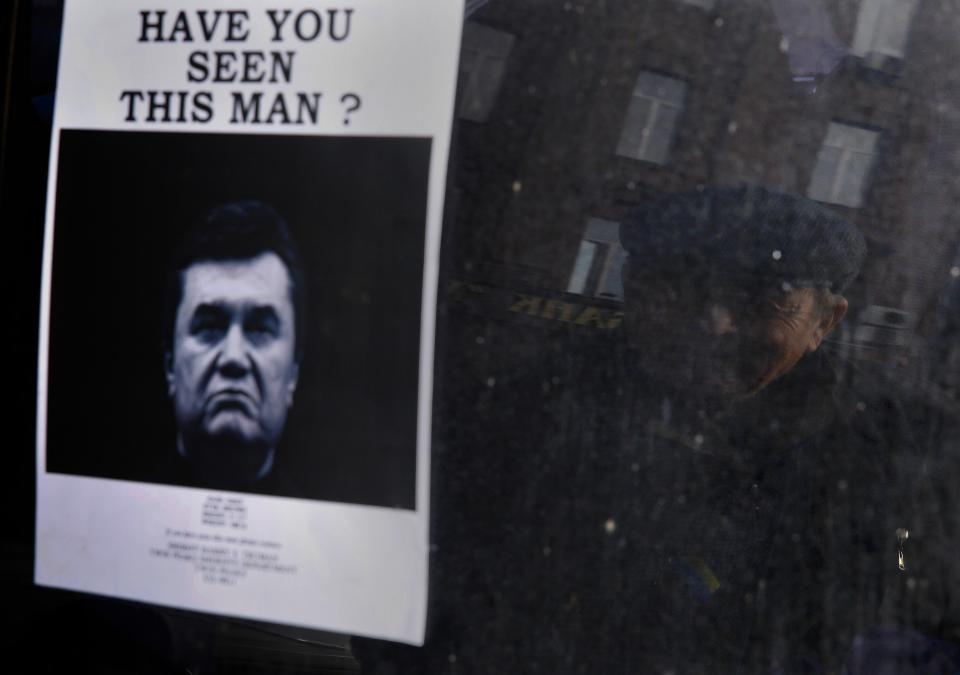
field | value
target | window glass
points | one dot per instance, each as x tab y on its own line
697	353
843	165
883	27
705	4
597	270
482	64
651	118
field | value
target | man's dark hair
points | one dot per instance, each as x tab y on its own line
236	231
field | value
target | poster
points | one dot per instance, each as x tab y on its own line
237	321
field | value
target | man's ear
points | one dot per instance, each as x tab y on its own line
168	373
292	383
829	318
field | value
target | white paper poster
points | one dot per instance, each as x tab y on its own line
239	283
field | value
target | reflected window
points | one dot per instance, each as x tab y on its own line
596	271
652	118
843	166
472	6
882	326
483	62
705	4
882	30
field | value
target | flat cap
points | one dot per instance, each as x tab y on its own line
745	233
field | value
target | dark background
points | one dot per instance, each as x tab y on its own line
357	209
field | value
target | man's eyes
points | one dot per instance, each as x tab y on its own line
208	326
258	326
262	323
763	308
784	308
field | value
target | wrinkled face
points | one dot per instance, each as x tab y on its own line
232	371
724	342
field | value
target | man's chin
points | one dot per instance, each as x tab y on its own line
229	458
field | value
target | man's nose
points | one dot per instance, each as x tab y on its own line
234	359
720	319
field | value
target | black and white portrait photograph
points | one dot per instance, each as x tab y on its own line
238	312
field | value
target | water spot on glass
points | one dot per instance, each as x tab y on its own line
480	340
610	526
681	499
911	583
452	658
861	406
491	381
631	185
698	440
955	272
777	255
842	485
567	6
635	467
784	44
547	551
718	22
732	127
902	536
517	186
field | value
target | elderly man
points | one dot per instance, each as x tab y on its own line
789	521
703	440
233	343
728	289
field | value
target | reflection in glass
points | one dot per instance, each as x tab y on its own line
843	165
651	118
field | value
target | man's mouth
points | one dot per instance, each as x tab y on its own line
231	400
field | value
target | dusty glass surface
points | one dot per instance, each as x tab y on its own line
697	366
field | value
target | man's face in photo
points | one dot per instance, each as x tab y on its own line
233	368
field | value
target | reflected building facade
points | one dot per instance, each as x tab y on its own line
572	114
